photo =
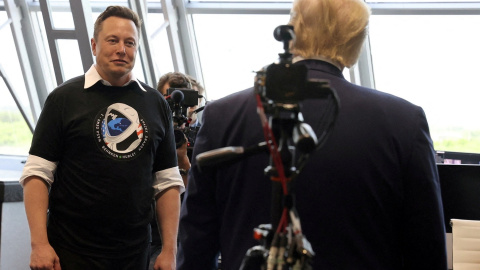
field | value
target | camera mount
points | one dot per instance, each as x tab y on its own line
280	88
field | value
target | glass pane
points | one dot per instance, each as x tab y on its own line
70	58
15	136
10	64
418	1
42	43
137	69
63	19
432	62
346	74
244	1
233	47
159	46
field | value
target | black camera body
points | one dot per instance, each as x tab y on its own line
190	96
187	133
285	83
179	100
289	84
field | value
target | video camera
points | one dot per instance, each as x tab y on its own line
284	83
189	99
179	100
280	89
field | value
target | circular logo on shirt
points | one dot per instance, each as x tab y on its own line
120	132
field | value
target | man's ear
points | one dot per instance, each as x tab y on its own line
94	46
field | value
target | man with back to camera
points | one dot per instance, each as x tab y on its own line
368	199
98	142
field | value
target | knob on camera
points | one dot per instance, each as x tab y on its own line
284	33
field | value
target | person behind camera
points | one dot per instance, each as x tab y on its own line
173	80
182	81
368	199
99	139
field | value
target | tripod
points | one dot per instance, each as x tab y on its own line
279	90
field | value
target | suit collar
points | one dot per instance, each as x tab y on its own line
322	66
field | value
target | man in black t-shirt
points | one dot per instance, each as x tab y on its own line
98	142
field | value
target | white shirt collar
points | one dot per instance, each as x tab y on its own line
319	57
92	77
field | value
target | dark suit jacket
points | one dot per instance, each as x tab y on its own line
369	199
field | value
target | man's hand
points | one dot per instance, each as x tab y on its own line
165	261
43	257
182	154
183	161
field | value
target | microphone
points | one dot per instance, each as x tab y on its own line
228	154
284	33
199	109
177	96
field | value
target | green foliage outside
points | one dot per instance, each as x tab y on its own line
456	140
15	136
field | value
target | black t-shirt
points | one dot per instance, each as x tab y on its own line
108	141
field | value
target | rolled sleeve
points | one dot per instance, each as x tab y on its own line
40	167
167	178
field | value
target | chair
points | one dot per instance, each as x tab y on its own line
466	244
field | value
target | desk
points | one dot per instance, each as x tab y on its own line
14	232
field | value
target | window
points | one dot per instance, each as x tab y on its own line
15	135
432	61
418	1
233	47
427	59
70	58
159	45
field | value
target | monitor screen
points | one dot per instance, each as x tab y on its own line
460	186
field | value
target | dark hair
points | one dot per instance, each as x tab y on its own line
116	11
175	80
